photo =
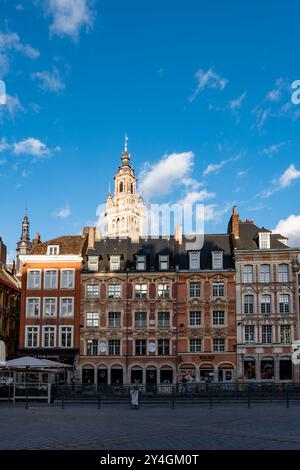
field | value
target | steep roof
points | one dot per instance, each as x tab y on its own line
7	278
68	245
247	240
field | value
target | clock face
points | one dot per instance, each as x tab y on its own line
103	347
151	347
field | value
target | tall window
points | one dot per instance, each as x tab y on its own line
32	336
163	262
33	307
114	347
163	347
67	279
195	318
194	257
53	250
283	273
218	344
266	334
248	304
163	291
49	336
217	259
285	334
140	263
218	289
33	279
50	279
115	262
249	334
93	262
92	347
140	319
67	306
284	303
264	240
140	291
92	319
265	303
265	273
114	319
92	291
66	336
163	319
195	289
114	291
50	307
195	345
140	347
218	317
248	273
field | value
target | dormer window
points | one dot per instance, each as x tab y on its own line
93	263
115	262
140	262
264	240
194	257
217	259
53	250
163	262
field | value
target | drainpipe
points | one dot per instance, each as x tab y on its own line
176	324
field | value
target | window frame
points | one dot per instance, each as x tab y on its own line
73	278
196	261
39	307
44	307
195	320
40	279
48	270
217	260
52	327
27	328
61	315
61	328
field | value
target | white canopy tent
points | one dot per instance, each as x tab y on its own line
28	362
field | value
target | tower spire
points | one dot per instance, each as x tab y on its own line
126	144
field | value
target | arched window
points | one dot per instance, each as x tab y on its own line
265	273
283	273
121	187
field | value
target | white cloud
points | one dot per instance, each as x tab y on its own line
191	183
237	103
10	42
216	167
160	178
291	174
242	173
4	145
275	94
62	213
13	107
49	81
273	148
197	196
290	228
69	17
33	147
208	79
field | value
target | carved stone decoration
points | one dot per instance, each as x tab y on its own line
196	333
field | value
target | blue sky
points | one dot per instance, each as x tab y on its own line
203	89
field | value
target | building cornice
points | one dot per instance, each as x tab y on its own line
51	259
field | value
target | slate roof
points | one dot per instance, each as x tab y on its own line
248	239
69	245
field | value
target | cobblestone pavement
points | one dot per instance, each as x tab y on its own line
116	427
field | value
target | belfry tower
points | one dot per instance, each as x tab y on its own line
24	245
124	216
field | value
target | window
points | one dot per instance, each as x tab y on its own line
34	279
163	291
50	279
218	317
265	273
140	291
249	334
283	273
114	262
114	291
32	336
33	307
140	319
285	334
264	240
195	289
140	347
218	289
163	319
163	262
114	319
50	307
140	263
92	319
218	344
194	260
195	318
67	279
265	303
92	291
53	250
266	334
66	336
248	273
217	259
114	347
92	347
93	262
249	304
163	347
284	303
195	345
66	306
49	336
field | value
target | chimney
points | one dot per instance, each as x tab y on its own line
37	239
178	234
233	225
91	239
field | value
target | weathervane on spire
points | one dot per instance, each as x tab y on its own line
126	142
